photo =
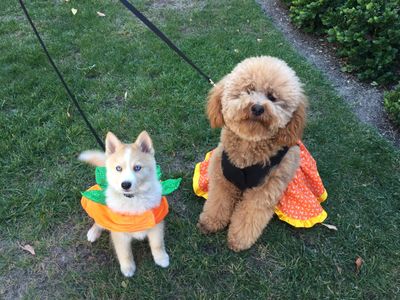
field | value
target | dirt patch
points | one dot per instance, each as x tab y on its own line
178	205
10	18
365	100
63	251
181	5
158	12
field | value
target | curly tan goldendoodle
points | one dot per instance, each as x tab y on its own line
261	108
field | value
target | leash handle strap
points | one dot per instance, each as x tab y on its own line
71	95
163	37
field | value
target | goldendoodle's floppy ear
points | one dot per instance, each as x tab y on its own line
293	131
214	105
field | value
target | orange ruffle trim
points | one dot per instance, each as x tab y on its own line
300	204
113	221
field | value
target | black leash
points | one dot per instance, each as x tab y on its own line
163	37
142	18
72	97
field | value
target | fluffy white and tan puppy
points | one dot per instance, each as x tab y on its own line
133	188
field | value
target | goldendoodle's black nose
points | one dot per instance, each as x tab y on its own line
126	185
257	110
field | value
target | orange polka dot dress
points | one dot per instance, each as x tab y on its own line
300	205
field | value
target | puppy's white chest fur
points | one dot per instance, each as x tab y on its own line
146	197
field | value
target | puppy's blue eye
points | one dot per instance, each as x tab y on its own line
118	168
137	168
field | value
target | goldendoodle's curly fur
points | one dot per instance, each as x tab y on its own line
261	108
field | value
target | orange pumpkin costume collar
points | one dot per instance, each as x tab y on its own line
114	221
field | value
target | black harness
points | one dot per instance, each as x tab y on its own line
251	176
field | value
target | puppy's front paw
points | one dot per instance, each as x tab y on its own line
94	233
162	261
128	270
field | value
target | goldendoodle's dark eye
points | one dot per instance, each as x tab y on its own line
250	89
271	97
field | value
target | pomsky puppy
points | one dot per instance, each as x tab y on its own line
133	189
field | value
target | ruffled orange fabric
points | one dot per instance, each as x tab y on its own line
300	204
119	222
200	177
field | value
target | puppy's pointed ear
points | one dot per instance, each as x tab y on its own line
145	143
112	143
214	105
93	157
292	133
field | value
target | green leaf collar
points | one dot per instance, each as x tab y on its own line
168	185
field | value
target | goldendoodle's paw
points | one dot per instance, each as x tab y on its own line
237	244
203	228
209	225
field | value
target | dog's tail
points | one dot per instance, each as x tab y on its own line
93	157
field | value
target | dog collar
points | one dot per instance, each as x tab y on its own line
168	186
252	176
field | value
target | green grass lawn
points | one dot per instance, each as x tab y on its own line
104	57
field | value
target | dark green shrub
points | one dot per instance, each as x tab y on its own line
392	104
367	33
307	14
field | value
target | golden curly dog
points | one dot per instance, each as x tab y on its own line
261	108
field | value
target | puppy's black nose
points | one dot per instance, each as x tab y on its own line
126	185
257	110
